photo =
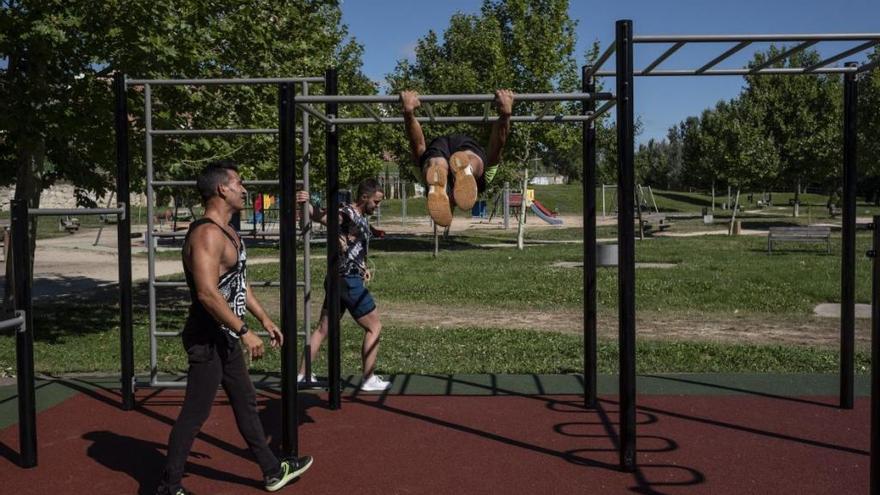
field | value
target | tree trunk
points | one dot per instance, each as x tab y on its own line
733	215
797	199
28	186
713	196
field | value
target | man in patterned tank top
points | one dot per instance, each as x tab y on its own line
354	239
214	262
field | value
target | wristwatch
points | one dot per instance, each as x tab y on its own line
243	330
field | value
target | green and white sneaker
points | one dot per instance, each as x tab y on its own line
290	470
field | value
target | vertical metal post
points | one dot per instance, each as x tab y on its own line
307	245
848	241
626	270
287	221
123	238
589	208
334	347
151	241
403	204
875	358
24	338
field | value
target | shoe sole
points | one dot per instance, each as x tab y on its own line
438	200
291	476
465	192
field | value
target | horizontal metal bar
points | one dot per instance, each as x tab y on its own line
451	98
43	212
314	112
254	283
17	321
724	56
842	55
158	183
668	53
719	38
736	72
242	233
261	333
462	119
210	132
782	56
229	81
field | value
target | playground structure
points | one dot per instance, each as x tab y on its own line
623	98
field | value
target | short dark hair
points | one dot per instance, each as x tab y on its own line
368	187
213	175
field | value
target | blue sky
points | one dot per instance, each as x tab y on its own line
389	29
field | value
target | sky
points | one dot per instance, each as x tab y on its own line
389	30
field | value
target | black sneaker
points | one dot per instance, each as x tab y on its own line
290	470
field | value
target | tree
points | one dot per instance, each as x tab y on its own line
56	112
523	45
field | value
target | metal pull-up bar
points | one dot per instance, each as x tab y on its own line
453	98
803	41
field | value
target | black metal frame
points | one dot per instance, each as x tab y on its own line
624	74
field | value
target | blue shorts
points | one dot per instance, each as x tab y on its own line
353	297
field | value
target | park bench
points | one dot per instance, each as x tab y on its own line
656	221
813	235
70	224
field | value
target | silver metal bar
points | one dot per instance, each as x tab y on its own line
151	254
261	333
211	132
372	112
718	38
17	321
736	72
229	81
252	283
158	183
314	112
668	53
782	56
601	60
242	233
462	119
724	56
842	55
452	98
42	212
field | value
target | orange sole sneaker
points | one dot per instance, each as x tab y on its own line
465	192
438	200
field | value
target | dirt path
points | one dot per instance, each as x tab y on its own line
72	265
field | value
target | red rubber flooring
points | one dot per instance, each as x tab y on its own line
453	444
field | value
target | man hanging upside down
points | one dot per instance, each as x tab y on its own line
457	159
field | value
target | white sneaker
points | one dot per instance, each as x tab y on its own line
301	378
375	383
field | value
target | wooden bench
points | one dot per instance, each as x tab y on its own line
656	221
812	235
70	224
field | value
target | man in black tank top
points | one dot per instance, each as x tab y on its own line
457	159
214	262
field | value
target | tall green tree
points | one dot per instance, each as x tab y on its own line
56	112
523	45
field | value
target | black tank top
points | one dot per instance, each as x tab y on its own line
233	286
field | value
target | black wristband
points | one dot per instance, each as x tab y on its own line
243	330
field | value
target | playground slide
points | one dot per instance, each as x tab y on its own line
544	214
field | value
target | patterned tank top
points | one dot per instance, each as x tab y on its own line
232	286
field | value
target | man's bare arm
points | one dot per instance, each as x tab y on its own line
410	101
501	127
206	247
